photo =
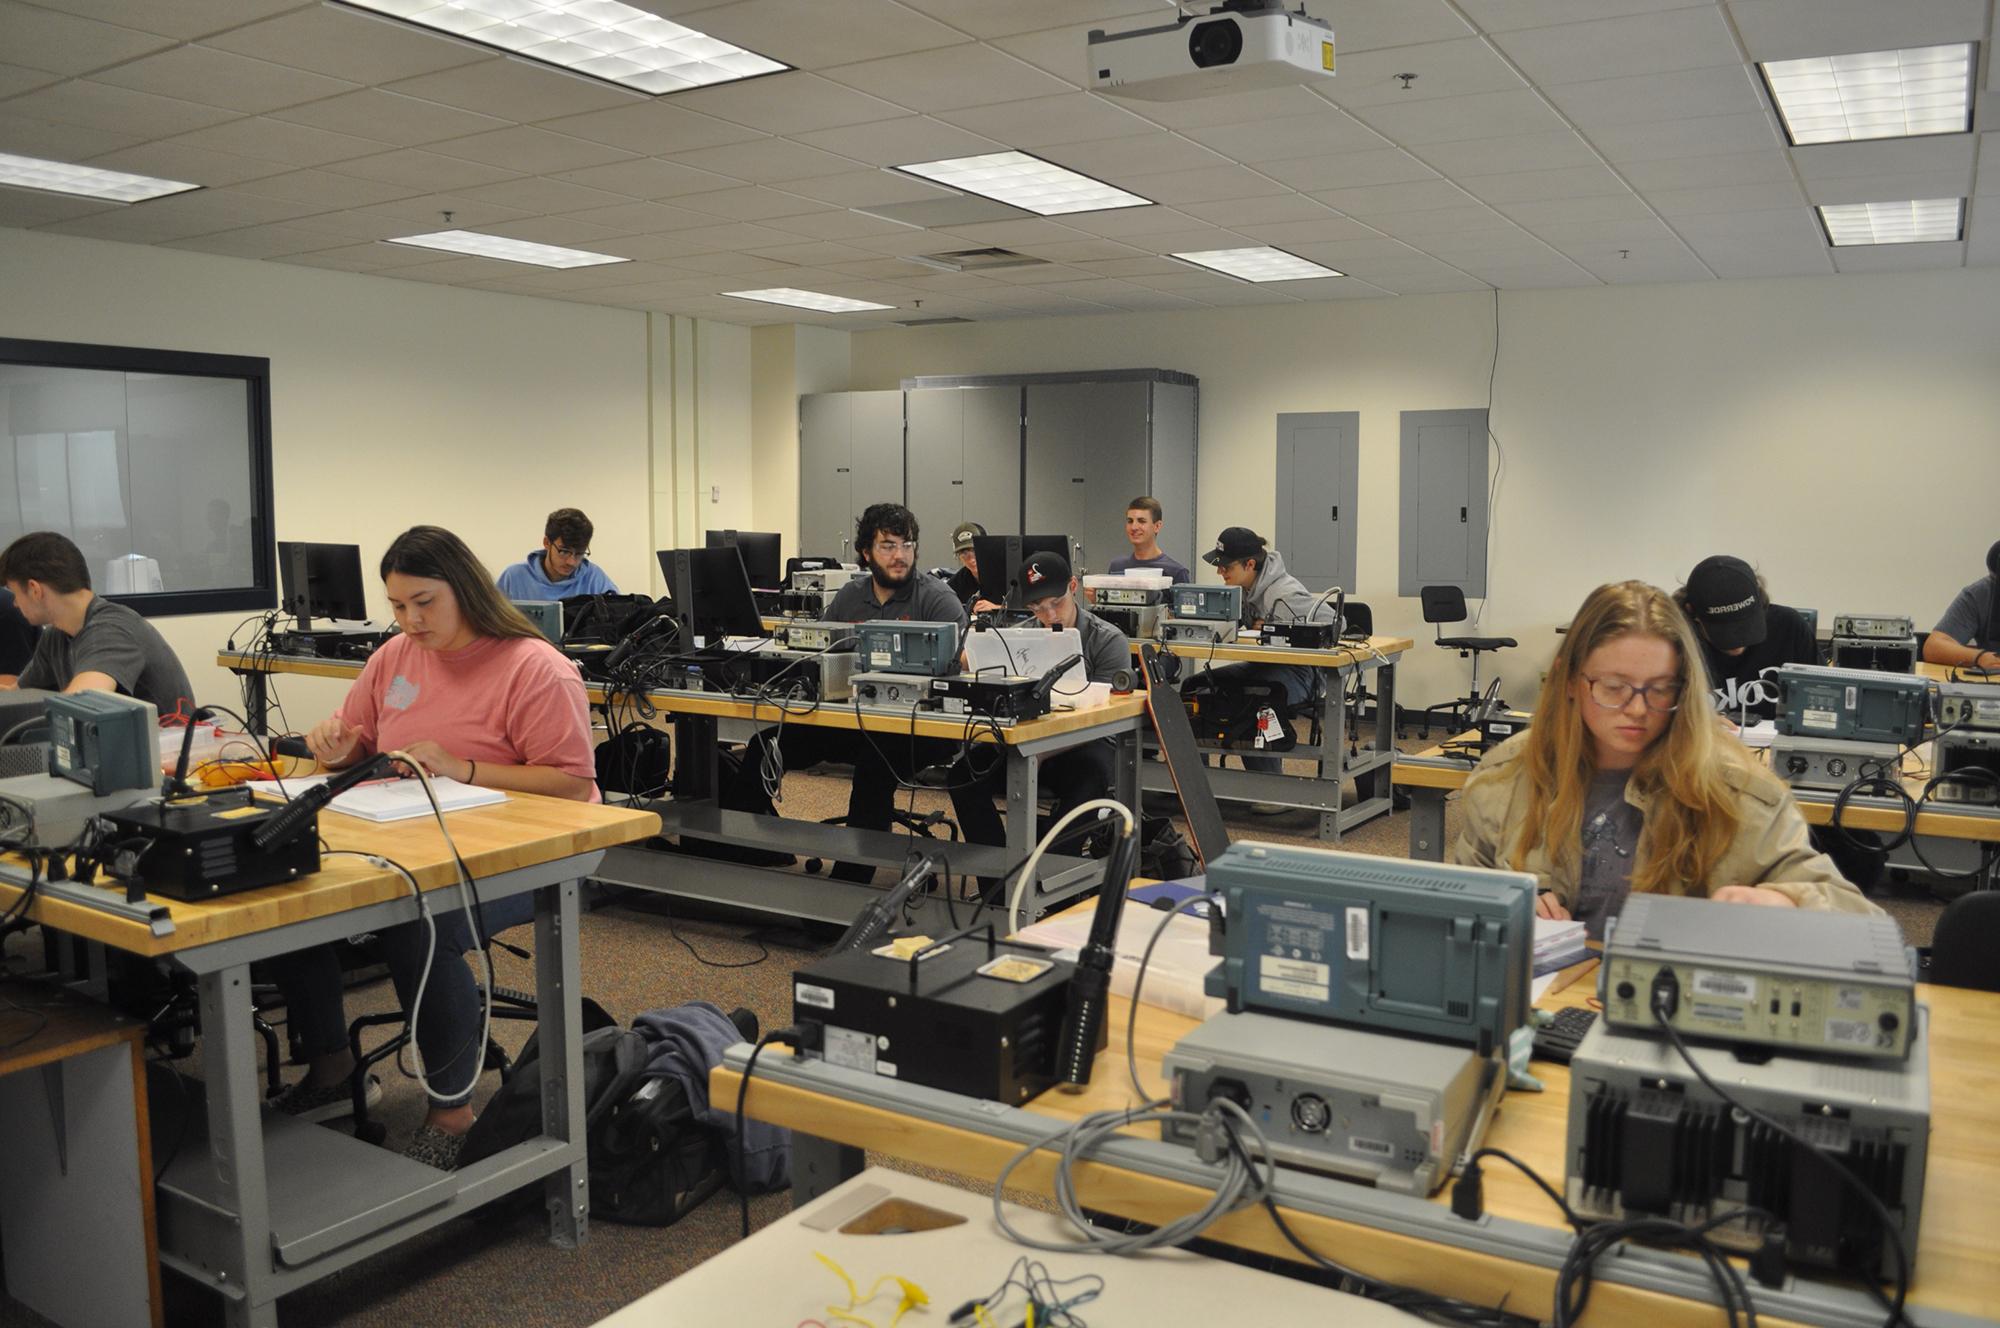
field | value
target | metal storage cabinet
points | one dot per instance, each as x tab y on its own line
850	455
964	462
1319	468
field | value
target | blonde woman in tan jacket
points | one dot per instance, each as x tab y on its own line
1626	782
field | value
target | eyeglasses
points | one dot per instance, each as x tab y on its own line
1661	697
890	548
564	551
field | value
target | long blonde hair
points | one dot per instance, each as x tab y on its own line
1693	815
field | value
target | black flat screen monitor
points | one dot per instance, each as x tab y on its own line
759	549
711	594
1000	558
321	581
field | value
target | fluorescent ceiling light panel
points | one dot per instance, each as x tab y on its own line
602	38
1262	263
1874	94
1026	182
1920	221
806	299
59	177
511	251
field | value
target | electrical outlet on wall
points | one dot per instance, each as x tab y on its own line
715	493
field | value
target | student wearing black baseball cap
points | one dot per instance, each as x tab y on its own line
1076	776
1744	637
1969	633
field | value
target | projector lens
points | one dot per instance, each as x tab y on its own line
1216	42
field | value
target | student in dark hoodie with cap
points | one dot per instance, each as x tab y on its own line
1270	594
1744	637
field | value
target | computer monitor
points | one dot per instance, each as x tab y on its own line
1000	558
711	594
759	549
321	581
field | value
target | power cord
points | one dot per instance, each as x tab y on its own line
800	1038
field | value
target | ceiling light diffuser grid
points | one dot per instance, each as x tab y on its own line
1025	182
510	251
1261	263
602	38
60	177
1920	221
805	299
1874	94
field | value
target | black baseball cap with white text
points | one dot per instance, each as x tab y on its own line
1725	601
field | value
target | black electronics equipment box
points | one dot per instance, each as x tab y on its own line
972	1015
200	848
1302	635
992	697
330	643
1498	725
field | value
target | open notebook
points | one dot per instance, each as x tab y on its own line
389	799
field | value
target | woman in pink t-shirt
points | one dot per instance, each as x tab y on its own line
472	692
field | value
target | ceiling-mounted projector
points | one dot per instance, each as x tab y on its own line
1239	46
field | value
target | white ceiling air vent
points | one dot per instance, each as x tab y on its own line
974	260
930	322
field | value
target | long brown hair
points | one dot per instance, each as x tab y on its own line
1693	814
438	555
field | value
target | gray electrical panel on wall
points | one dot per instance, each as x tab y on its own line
850	455
1089	442
964	463
1319	469
1444	473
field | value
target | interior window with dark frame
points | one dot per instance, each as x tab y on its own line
157	463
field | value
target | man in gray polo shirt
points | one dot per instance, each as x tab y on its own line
87	643
1969	633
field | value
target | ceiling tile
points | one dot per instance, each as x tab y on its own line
543	196
1651	43
276	140
183	19
1348	170
811	34
1768	227
1899	257
175	161
1737	259
1596	207
23	208
1074	117
357	226
1452	119
515	90
1343	254
1790	29
529	150
1890	188
1328	230
836	224
1513	152
1412	197
1726	198
1534	276
652	128
1322	133
1079	252
1528	186
1696	172
751	203
1709	136
1684	94
1032	230
787	103
257	242
15	79
732	264
59	142
1126	223
1440	221
119	110
643	218
1949	153
1488	248
422	170
65	44
389	117
645	177
220	78
1989	164
1205	184
813	253
983	18
326	189
345	43
951	78
426	213
1232	108
1638	268
183	215
1257	211
1149	265
898	142
1506	15
354	258
1630	233
1367	25
1115	159
1442	69
868	189
764	159
567	231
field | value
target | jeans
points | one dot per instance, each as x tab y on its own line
871	798
1074	777
448	1023
1297	681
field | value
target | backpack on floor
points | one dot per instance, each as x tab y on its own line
613	1060
1239	713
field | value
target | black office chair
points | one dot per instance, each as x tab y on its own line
1360	619
1446	604
1965	948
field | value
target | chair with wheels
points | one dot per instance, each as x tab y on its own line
1965	948
1446	604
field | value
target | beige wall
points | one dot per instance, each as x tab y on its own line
787	361
396	402
1842	433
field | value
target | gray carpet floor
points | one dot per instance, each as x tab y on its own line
638	955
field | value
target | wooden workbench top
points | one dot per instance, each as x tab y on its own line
1250	652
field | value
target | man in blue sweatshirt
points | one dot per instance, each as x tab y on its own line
562	566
